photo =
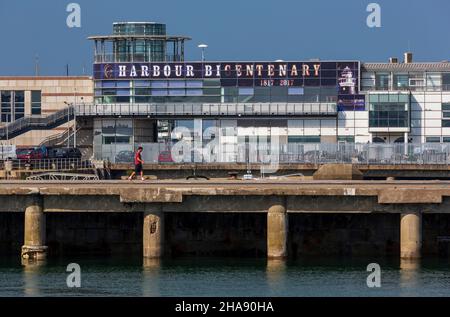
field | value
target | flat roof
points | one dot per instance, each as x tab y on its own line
411	67
142	37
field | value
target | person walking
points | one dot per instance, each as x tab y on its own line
138	164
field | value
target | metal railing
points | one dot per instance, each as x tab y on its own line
136	57
291	153
36	122
68	164
209	109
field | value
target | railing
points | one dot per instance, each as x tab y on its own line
68	164
209	109
291	153
136	57
35	122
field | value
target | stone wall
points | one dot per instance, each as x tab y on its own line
217	234
11	233
226	234
94	233
436	234
344	234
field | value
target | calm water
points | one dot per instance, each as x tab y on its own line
224	277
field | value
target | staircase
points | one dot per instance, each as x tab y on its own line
28	123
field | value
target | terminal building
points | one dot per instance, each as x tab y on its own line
143	92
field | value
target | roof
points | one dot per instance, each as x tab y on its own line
407	67
140	37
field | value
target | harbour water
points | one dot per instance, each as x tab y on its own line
225	277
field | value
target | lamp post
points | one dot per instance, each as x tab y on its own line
75	118
68	125
203	47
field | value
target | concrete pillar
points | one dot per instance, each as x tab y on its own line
34	239
410	235
153	234
277	230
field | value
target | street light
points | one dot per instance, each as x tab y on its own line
68	120
202	47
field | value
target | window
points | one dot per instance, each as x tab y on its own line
433	139
446	139
19	104
35	102
303	139
433	81
194	92
295	91
446	115
6	106
159	84
401	81
177	84
446	81
177	92
194	84
346	139
159	92
382	81
246	91
388	115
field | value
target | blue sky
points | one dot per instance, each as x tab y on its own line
233	29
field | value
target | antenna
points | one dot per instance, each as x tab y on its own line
67	70
36	65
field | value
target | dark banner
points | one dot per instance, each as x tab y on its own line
343	75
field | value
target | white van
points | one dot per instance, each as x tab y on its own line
7	152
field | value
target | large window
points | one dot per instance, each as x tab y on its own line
6	106
401	81
388	115
12	105
36	102
446	115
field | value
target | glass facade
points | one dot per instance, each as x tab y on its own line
144	28
205	91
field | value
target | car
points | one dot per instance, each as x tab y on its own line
64	153
30	154
125	157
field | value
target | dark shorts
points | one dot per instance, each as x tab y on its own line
138	168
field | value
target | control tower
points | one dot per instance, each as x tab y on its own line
138	42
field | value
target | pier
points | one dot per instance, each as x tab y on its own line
401	204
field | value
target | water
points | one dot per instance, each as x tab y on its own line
225	277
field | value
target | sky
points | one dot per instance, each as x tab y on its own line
233	29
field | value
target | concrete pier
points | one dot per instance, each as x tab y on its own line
34	247
410	235
153	234
277	231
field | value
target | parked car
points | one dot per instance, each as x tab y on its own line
165	157
125	157
30	154
64	153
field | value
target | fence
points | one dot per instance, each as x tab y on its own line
48	164
291	153
208	109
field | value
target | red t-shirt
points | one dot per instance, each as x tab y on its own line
137	158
